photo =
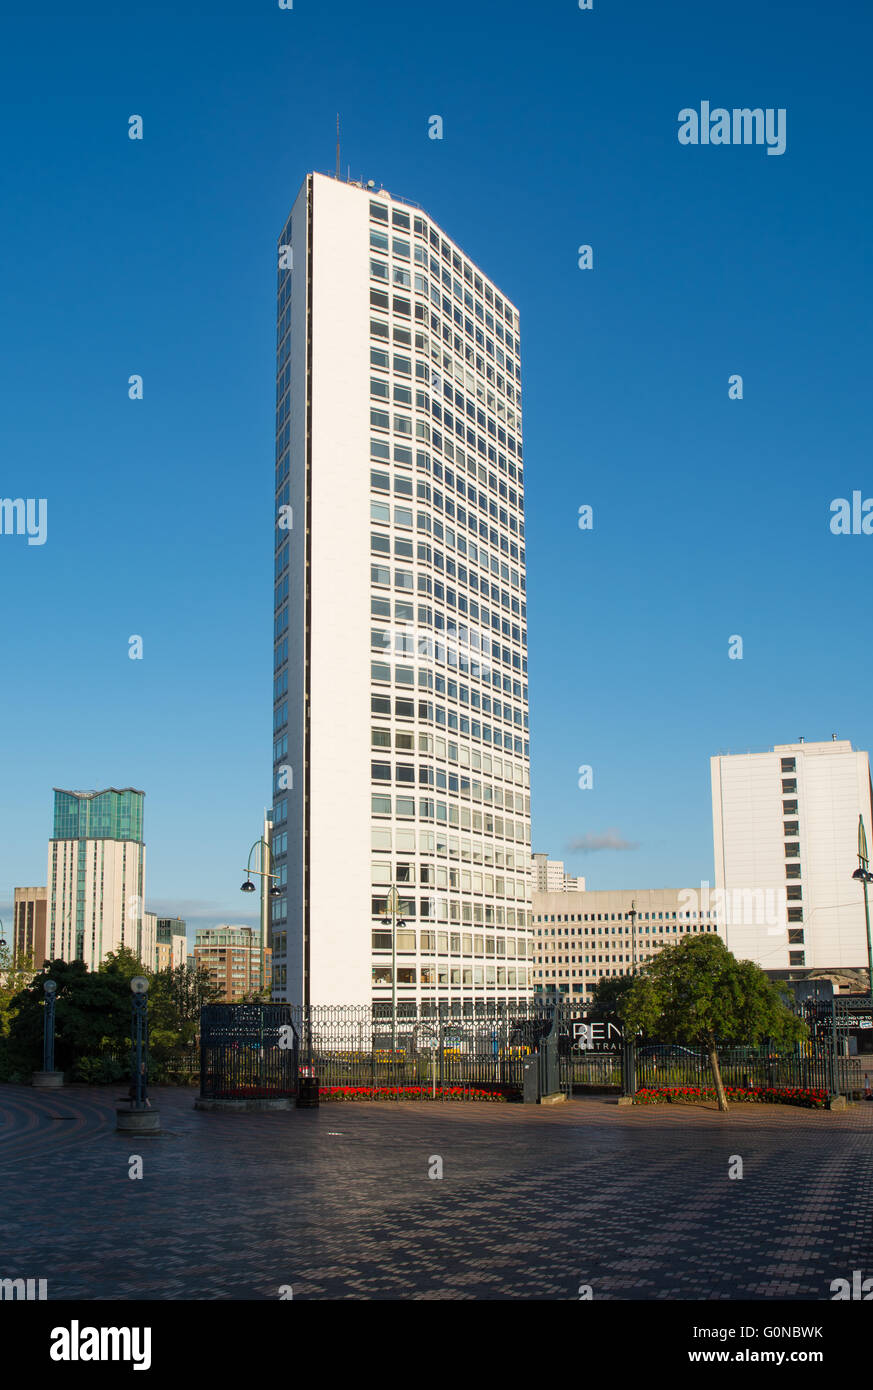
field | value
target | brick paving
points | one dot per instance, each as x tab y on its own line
337	1202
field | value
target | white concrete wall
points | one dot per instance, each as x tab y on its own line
340	704
296	603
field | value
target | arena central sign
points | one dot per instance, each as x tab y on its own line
590	1035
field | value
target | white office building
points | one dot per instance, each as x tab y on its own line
401	755
785	827
550	876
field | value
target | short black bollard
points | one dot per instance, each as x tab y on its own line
307	1092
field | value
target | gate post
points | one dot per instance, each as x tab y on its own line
628	1067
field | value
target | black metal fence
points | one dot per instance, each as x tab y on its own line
247	1051
810	1066
260	1050
433	1052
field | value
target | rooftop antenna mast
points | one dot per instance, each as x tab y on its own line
337	146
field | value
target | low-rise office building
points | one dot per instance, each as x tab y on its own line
584	937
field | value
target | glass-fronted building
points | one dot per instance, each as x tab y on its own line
96	873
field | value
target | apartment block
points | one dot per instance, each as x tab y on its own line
96	873
231	956
29	925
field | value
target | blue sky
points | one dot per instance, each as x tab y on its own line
560	128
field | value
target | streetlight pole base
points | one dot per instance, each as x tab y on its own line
47	1080
130	1121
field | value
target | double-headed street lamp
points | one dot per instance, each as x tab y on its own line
393	903
49	989
864	876
139	987
274	891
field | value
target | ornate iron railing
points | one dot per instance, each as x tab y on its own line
247	1050
261	1049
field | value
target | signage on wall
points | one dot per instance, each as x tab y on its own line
596	1035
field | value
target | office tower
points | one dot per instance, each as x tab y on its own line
28	925
785	827
96	872
231	956
171	943
401	758
550	876
585	936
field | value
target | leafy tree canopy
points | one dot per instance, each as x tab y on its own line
698	993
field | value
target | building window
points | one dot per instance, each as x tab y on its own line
789	765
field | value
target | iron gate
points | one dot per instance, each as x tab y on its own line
247	1051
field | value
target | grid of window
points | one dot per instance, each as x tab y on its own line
449	734
450	804
571	959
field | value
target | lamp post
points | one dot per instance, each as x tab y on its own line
139	987
48	1077
863	874
274	891
633	917
139	1117
393	922
49	989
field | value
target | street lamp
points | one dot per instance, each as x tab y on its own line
48	1077
139	1117
864	876
633	917
274	891
49	989
139	986
393	901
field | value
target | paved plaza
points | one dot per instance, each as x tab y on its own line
338	1204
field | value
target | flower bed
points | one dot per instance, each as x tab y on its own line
408	1093
812	1099
251	1093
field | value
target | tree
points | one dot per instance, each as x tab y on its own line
609	991
176	998
91	1014
123	963
15	973
698	993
